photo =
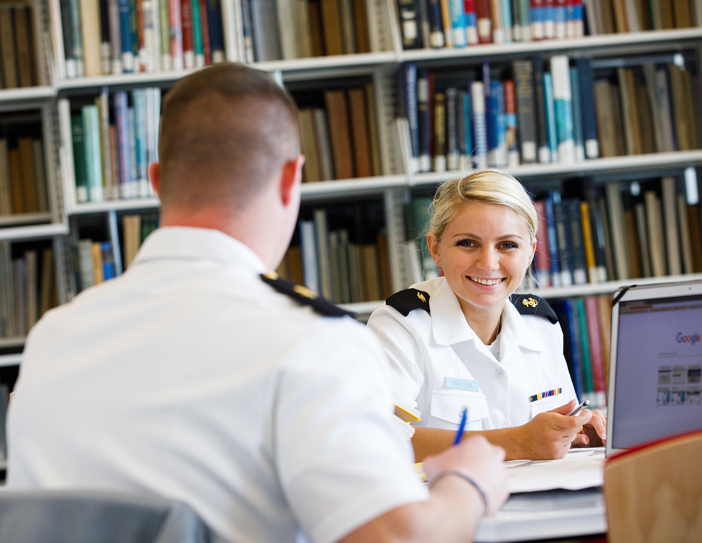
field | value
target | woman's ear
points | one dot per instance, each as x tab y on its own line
433	245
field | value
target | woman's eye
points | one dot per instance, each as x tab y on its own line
509	245
465	243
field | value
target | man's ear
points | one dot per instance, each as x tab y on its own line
290	178
155	176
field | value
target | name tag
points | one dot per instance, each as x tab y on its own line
461	384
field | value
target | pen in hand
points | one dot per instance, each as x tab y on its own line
461	426
578	409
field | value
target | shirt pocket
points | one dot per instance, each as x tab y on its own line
447	406
546	404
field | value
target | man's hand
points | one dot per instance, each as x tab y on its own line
549	435
594	433
478	459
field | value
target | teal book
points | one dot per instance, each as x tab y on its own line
197	34
139	101
78	137
550	116
577	115
93	162
585	350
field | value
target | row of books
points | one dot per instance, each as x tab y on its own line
341	266
27	289
611	232
586	324
17	47
289	29
113	141
340	140
124	36
521	113
463	23
647	109
99	261
22	176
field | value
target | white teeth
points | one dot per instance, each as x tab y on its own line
485	281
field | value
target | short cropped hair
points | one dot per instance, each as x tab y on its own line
486	186
225	132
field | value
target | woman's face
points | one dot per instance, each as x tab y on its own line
484	252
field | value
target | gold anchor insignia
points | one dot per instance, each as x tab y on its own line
421	297
530	302
304	291
271	275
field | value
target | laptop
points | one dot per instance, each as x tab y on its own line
655	363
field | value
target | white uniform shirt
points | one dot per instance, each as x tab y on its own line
191	378
424	349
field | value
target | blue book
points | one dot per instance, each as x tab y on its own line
424	121
436	26
501	125
465	130
486	90
587	100
552	240
122	133
139	101
125	33
577	115
549	15
537	20
133	185
563	234
108	261
214	27
479	124
409	87
458	23
550	115
493	114
544	152
560	16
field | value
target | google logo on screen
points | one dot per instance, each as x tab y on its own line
691	339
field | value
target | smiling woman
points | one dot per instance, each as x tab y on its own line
456	341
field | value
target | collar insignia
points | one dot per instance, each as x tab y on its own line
529	302
304	291
421	297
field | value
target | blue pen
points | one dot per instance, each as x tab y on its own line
461	426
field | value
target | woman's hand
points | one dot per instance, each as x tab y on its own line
549	435
594	433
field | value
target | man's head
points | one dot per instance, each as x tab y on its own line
229	146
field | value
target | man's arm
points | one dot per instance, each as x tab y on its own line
455	506
547	436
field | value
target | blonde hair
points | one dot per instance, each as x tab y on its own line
486	186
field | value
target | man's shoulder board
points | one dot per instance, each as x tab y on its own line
304	296
409	300
528	304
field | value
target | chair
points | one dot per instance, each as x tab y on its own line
48	516
654	494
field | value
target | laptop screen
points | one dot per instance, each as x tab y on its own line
659	358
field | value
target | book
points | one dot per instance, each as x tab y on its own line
578	139
654	223
337	111
592	316
544	150
584	342
670	218
131	233
563	106
331	23
410	108
7	46
440	132
541	257
359	132
480	126
311	169
523	75
550	119
264	30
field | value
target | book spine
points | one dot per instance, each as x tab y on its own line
423	121
452	148
498	31
552	242
105	48
541	258
458	23
525	107
592	272
537	19
544	151
549	19
78	140
133	173
105	142
309	255
411	106
467	142
563	235
482	12
596	350
197	34
67	34
511	126
126	36
587	97
493	112
139	101
516	23
563	107
525	19
121	112
176	33
439	132
479	122
446	23
214	22
576	349
436	29
165	39
471	22
246	30
550	116
93	165
115	36
507	20
186	18
77	36
135	21
146	53
409	24
586	357
560	19
204	23
576	243
577	115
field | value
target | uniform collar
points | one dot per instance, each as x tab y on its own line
516	332
187	243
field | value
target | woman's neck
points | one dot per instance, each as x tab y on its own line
484	321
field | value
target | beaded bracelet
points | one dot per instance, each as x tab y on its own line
467	478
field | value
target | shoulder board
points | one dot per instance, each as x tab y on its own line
409	300
304	296
528	304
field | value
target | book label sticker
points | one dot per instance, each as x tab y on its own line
461	384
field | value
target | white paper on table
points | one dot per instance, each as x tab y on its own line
581	468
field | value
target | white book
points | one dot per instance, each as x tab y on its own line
230	10
672	240
149	25
322	238
5	191
308	245
68	173
287	27
563	103
478	103
59	54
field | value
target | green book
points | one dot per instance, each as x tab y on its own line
197	35
585	345
165	34
93	162
78	138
